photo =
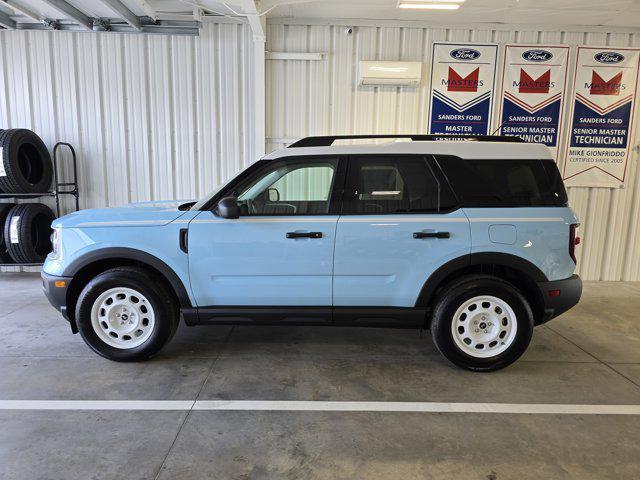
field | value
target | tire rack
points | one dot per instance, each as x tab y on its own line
64	188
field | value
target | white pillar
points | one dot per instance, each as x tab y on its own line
259	94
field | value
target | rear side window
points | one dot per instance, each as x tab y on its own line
386	184
504	183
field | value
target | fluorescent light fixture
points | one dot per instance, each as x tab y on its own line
426	2
430	4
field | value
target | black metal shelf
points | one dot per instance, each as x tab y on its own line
21	264
61	188
27	195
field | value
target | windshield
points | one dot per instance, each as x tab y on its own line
204	200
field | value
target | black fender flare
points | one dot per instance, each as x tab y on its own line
135	255
482	258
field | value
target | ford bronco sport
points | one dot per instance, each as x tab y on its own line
472	239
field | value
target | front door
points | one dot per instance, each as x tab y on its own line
399	224
280	251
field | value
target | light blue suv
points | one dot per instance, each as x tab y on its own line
472	239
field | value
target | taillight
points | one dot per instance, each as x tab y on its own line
573	240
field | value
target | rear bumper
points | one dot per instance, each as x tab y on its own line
57	294
559	296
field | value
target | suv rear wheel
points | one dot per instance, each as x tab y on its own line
482	323
126	314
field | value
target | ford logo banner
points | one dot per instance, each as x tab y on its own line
609	57
465	54
537	55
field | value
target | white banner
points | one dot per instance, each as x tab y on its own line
462	84
601	116
533	89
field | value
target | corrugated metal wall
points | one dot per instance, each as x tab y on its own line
151	117
157	117
322	97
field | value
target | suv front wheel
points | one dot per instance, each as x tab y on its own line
126	314
482	323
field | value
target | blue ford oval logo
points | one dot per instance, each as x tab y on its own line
609	57
465	54
537	55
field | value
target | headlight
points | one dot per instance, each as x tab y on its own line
56	238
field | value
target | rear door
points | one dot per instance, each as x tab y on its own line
399	224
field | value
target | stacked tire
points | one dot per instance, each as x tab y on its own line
27	232
25	168
25	162
5	208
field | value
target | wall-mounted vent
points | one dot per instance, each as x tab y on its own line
402	74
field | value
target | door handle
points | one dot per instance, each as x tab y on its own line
304	234
431	235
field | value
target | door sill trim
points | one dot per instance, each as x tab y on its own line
391	317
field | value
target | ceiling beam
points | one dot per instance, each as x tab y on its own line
162	27
20	8
6	21
148	10
256	21
71	12
123	11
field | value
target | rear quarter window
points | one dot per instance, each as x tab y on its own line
504	183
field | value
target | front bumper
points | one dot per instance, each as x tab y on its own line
559	296
55	289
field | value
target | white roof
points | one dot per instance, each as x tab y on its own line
465	149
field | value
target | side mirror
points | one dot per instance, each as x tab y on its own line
228	208
274	195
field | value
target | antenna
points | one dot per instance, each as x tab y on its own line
497	129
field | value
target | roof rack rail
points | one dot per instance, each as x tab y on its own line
327	141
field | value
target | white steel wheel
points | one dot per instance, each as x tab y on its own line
122	318
484	326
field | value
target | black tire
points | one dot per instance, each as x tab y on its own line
469	287
152	288
25	163
1	191
4	212
27	232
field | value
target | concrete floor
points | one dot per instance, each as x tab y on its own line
590	355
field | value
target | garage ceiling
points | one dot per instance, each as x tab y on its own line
613	13
537	12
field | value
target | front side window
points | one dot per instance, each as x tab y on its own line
289	187
391	184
